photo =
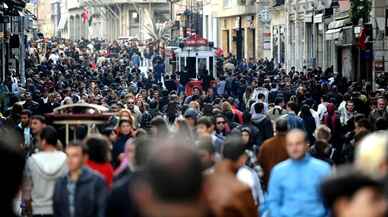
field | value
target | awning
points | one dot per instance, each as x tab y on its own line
333	34
338	24
62	23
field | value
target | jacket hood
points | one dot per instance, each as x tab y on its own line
50	164
330	108
258	117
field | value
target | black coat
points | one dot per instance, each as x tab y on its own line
91	193
120	202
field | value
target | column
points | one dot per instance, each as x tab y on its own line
246	45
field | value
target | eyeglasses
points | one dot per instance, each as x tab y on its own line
221	122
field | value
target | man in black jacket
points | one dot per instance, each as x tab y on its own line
262	121
82	193
121	202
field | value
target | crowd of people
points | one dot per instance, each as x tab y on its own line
254	141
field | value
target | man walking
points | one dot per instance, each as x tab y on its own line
81	193
273	150
42	170
294	183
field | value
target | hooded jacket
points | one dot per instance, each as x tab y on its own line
42	171
264	123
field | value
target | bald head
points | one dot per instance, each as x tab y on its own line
297	144
174	173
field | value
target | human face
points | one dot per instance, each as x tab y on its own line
207	159
125	128
367	202
220	124
349	106
75	158
296	145
245	137
196	91
202	130
210	92
25	120
37	126
131	104
381	104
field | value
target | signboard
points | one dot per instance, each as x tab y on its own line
196	41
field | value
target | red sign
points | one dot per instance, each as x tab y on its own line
196	40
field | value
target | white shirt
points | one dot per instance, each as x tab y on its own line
251	178
54	57
322	109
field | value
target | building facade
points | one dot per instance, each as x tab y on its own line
108	19
238	28
210	21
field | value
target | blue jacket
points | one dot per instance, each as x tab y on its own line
294	188
294	121
91	194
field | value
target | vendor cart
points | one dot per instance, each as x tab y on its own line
195	55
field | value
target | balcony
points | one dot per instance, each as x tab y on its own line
241	8
82	3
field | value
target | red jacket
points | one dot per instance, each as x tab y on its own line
104	169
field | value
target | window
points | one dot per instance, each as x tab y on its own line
227	3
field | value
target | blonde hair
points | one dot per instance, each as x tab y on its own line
371	152
323	133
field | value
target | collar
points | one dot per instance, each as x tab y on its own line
303	160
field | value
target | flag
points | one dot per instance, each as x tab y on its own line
85	15
363	39
90	20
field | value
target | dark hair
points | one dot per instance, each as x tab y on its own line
10	154
292	106
78	144
346	184
26	112
305	111
124	121
247	117
40	118
281	125
363	122
161	125
205	120
260	96
50	135
172	183
107	131
279	100
98	149
381	124
259	107
233	148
